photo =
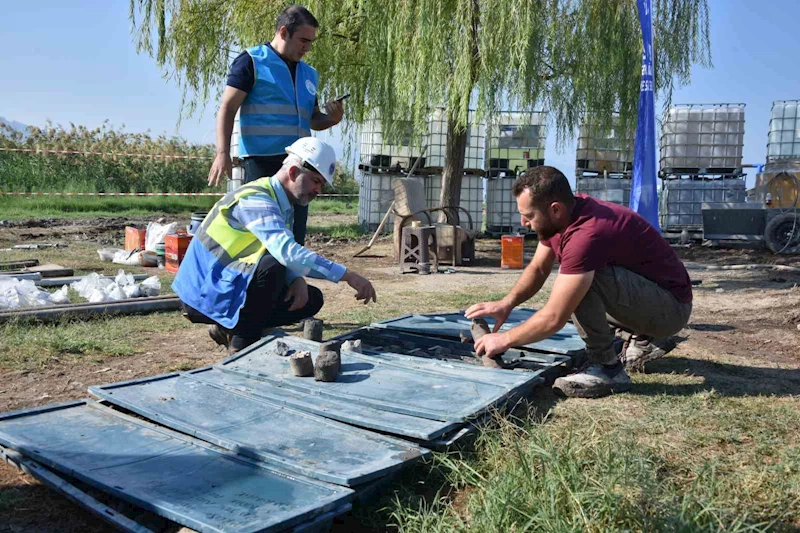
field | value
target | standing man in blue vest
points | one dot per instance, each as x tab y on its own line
275	93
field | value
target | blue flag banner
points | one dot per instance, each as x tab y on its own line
644	195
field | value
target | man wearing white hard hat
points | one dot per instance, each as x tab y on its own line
244	271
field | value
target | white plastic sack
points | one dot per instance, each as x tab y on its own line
131	291
114	292
127	258
156	232
61	296
16	293
150	287
89	283
123	279
96	296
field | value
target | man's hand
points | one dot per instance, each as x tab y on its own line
334	110
297	294
364	289
498	310
222	166
492	344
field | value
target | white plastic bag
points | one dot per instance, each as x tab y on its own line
89	283
61	296
124	279
150	287
156	233
127	258
131	291
114	292
96	296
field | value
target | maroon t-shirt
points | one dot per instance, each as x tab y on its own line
606	234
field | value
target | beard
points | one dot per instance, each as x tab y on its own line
546	231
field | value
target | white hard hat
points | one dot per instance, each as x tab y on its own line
316	153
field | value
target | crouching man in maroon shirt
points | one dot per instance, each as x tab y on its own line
616	270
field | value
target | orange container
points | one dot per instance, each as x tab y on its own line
511	251
134	238
175	245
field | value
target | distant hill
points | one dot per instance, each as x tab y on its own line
19	126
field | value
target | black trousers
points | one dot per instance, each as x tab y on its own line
264	306
260	166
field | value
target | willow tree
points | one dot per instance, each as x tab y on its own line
400	58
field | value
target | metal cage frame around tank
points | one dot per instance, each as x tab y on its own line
783	142
515	141
398	149
699	139
602	153
681	199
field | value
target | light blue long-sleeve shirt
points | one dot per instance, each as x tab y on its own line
271	222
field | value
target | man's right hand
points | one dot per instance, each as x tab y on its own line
222	166
498	310
364	289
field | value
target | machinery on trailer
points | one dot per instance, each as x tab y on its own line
769	216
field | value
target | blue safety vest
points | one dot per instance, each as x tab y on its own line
276	112
221	260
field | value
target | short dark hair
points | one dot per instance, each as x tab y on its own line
293	17
546	185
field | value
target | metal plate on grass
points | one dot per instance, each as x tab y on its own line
263	430
451	325
172	475
365	380
347	411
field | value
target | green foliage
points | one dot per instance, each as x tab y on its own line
344	182
401	58
29	172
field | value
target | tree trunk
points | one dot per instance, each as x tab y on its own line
453	170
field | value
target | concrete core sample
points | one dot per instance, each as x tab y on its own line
479	328
490	362
332	346
327	367
301	364
312	329
352	346
282	349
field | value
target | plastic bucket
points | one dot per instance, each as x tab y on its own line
197	219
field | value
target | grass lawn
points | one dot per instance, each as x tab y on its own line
21	207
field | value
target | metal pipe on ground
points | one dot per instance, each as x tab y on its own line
27	275
57	282
135	306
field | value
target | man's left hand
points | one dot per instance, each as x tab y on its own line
492	345
297	294
335	111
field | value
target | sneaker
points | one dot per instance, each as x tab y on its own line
643	349
594	381
220	336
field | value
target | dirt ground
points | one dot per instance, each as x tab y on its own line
744	335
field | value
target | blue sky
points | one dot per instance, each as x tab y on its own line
76	62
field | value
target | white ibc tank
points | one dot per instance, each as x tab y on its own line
471	197
700	136
784	132
502	215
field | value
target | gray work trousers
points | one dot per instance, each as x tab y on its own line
623	299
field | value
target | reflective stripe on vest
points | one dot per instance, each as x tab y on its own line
238	250
277	111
